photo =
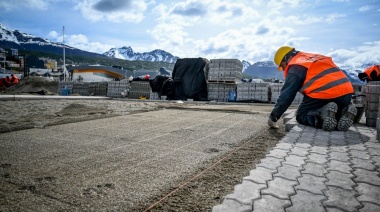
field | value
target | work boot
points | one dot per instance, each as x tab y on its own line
347	118
327	115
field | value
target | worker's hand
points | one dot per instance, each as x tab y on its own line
272	124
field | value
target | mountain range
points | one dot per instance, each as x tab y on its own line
23	41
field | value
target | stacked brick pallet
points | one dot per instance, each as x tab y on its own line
98	88
223	76
139	89
372	103
253	91
65	85
275	93
118	89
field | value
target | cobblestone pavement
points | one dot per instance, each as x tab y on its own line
313	170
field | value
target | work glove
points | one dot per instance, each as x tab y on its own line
272	124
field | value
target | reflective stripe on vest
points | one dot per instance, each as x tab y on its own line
324	80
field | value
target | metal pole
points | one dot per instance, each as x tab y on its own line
64	59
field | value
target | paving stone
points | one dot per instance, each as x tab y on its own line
284	146
294	160
315	169
376	160
340	156
278	153
339	141
312	184
321	142
372	145
341	199
368	193
268	203
303	144
365	176
289	172
260	175
363	164
246	192
359	154
338	149
299	151
374	152
317	158
335	165
305	201
280	188
231	205
341	180
359	147
333	210
369	207
270	163
287	140
319	150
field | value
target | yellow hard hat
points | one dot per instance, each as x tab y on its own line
280	54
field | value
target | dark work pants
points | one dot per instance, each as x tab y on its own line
310	108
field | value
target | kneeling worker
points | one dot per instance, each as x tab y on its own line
326	89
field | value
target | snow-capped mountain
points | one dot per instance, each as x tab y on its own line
126	53
246	64
19	40
264	70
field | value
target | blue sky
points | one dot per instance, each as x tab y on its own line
252	30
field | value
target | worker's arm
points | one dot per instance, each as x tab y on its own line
293	83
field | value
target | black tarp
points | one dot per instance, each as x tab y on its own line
189	77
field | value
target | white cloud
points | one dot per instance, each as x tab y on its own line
355	58
82	42
53	34
333	17
34	4
133	10
364	8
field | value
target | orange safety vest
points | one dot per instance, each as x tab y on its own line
324	80
14	79
372	68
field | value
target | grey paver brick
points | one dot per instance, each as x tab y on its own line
229	205
335	165
278	153
280	188
374	152
369	207
269	203
338	148
341	199
359	147
319	150
270	163
303	144
285	146
305	201
246	192
368	193
287	140
365	176
341	180
294	160
340	156
317	158
311	184
338	141
289	172
359	154
299	151
333	210
260	175
315	169
376	160
321	142
363	164
372	145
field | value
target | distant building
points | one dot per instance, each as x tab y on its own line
95	73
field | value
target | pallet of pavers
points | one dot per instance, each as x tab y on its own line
139	89
81	88
372	103
65	85
220	91
118	89
225	70
276	90
253	91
